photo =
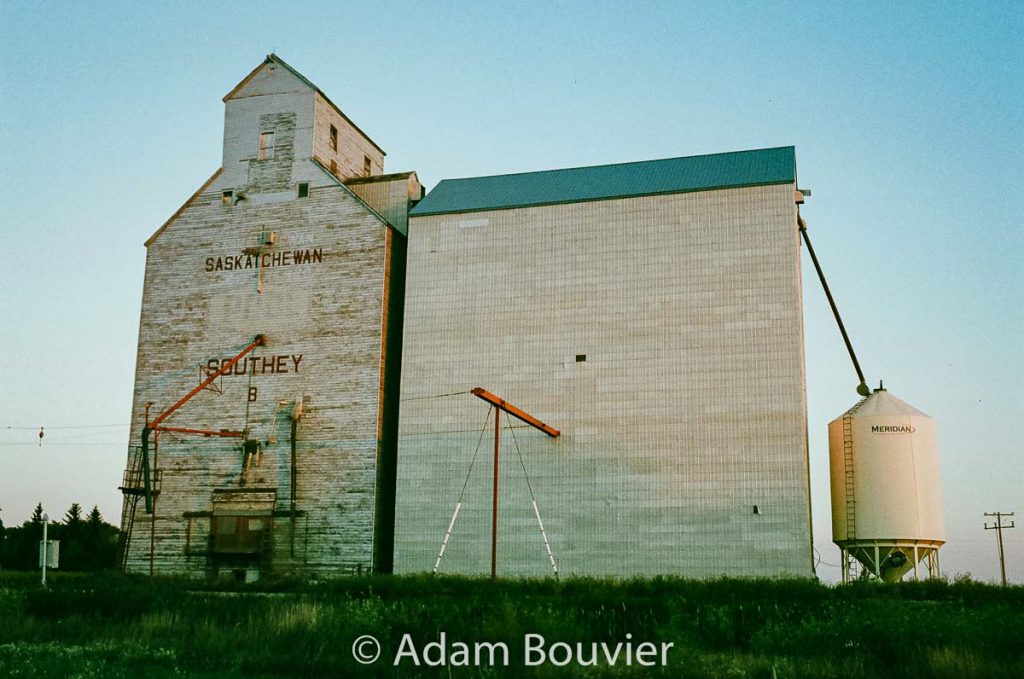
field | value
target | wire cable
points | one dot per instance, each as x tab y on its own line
476	452
458	505
420	398
521	462
74	426
533	498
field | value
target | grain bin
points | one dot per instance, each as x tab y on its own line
886	495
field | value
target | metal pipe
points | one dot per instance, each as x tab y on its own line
146	483
258	342
152	523
295	426
862	388
494	496
447	535
544	534
203	432
155	424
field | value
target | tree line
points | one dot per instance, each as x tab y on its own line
87	543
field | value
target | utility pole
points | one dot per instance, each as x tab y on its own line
998	526
499	405
45	547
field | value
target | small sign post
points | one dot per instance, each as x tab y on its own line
49	550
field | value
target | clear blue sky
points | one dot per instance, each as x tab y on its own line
908	120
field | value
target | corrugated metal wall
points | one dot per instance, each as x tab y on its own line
687	411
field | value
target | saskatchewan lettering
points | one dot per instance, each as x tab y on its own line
265	260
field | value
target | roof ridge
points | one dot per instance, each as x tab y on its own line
274	58
682	174
619	164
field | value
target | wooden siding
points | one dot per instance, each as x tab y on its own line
391	198
326	290
352	144
323	318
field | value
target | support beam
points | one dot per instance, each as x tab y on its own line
499	405
154	426
502	404
204	432
258	342
494	497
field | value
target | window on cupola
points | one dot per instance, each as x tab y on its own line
266	146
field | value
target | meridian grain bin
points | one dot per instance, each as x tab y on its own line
886	496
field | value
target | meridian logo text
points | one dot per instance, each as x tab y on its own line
892	429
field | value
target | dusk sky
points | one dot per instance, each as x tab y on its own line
907	118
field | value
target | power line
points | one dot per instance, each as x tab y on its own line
4	444
821	561
70	426
420	398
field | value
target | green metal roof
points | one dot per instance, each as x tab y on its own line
604	182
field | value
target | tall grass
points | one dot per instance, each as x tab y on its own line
118	626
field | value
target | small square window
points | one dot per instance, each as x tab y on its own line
334	138
226	196
581	358
303	189
366	165
266	146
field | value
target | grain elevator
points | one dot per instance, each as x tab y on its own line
265	407
589	371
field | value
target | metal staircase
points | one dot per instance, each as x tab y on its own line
133	488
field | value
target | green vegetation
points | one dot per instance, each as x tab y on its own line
111	626
86	543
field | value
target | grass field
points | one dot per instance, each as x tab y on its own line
114	626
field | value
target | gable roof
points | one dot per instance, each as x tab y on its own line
177	213
605	182
349	181
369	208
273	58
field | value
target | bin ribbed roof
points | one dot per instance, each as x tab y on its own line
605	182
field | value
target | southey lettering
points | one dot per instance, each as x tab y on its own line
264	260
892	429
257	365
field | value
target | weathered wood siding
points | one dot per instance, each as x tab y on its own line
390	196
353	145
272	97
322	295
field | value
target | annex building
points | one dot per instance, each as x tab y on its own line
649	311
338	322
